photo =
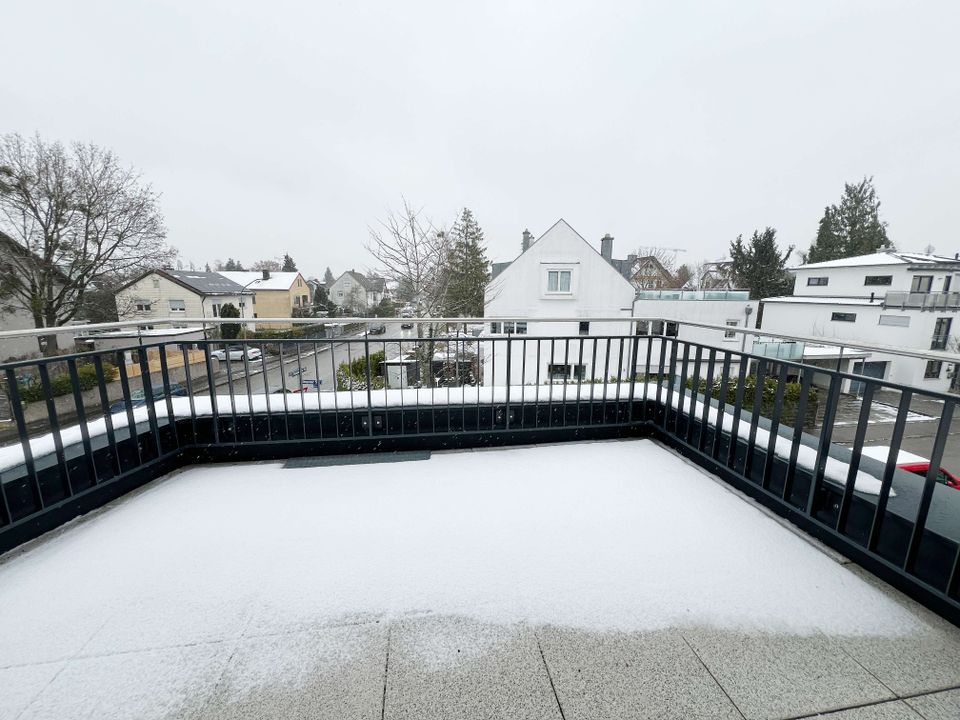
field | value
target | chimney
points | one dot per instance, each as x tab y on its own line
527	240
606	247
266	274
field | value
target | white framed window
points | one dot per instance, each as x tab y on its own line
216	309
921	283
495	328
178	306
156	282
730	334
558	281
143	306
819	281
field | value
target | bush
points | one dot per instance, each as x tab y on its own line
353	375
61	384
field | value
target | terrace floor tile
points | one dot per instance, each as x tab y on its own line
631	675
784	676
937	706
449	667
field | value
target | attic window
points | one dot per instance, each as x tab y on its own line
558	281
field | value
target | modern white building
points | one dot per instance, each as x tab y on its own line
559	274
896	299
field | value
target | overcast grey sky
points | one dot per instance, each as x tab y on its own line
276	126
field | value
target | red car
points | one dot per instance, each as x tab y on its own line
912	463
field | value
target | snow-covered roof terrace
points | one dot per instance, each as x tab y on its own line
593	580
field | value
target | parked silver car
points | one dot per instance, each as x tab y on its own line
235	352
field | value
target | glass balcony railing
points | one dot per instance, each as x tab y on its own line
922	301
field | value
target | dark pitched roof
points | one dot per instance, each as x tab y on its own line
370	284
200	282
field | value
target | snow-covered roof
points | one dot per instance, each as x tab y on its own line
818	300
889	257
254	279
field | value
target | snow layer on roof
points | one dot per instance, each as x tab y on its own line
254	279
874	259
614	535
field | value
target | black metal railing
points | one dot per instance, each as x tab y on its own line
89	426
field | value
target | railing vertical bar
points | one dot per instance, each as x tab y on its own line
895	439
536	419
303	400
826	435
523	385
682	390
246	378
550	383
509	379
316	374
606	379
634	353
929	484
82	420
593	378
233	401
806	380
165	379
128	406
583	376
646	376
694	391
757	409
369	378
16	407
566	377
105	408
267	395
660	368
283	388
863	423
737	412
707	394
721	405
55	426
211	389
619	374
147	383
670	372
771	450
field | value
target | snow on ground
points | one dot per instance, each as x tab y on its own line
608	535
241	404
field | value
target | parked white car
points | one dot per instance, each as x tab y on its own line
236	352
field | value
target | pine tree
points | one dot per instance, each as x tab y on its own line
759	266
852	228
288	264
328	278
468	268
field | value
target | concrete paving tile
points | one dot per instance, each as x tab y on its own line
937	706
328	673
630	675
896	710
19	686
920	659
149	685
446	667
772	676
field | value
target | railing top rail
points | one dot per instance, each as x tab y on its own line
935	355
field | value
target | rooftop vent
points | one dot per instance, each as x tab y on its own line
266	274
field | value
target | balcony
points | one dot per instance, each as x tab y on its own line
895	299
669	534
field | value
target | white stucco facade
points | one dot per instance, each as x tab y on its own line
559	275
901	300
155	297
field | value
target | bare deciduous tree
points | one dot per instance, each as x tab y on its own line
75	217
271	265
414	254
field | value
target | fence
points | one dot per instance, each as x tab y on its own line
773	427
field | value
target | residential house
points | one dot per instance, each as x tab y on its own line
15	263
168	294
558	275
276	294
357	293
717	275
896	299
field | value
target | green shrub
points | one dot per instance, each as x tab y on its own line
353	375
61	384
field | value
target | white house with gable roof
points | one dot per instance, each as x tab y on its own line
559	274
